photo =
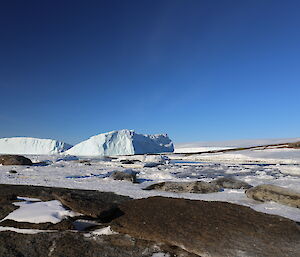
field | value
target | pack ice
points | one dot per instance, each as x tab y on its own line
28	145
122	142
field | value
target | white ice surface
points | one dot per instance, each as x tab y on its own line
28	145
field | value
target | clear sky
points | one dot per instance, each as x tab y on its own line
198	70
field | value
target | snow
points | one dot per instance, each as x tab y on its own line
104	231
28	145
122	142
160	255
39	212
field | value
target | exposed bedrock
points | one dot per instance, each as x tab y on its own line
215	229
273	193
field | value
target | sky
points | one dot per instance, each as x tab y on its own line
199	70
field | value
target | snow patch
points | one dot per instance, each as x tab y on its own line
39	212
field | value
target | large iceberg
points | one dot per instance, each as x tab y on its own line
122	142
28	145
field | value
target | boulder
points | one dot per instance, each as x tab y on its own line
14	160
128	175
230	183
198	187
215	229
277	194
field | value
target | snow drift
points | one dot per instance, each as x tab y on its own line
122	142
28	145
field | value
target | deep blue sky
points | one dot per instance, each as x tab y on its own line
199	70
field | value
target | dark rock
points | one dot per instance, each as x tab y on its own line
66	224
295	145
67	244
128	175
6	205
230	183
14	160
215	229
129	161
199	187
13	172
277	194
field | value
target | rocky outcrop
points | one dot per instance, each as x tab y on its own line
214	229
273	193
95	204
69	244
14	160
231	183
178	227
198	187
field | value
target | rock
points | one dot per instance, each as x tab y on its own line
216	229
95	204
67	244
13	172
295	145
129	161
128	175
230	183
6	205
65	224
199	187
14	160
277	194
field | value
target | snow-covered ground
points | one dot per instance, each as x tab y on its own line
272	166
220	145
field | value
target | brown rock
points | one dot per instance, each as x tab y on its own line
214	229
199	187
277	194
67	244
95	204
65	224
230	183
14	160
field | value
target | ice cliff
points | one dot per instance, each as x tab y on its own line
28	145
122	142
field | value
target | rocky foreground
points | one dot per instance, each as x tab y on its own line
175	227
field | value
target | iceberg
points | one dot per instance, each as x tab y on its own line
28	145
122	142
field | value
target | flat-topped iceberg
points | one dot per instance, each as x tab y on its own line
122	142
28	145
